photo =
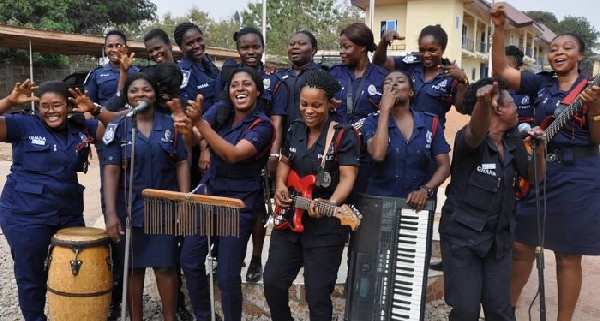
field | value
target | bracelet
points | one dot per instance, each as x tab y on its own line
464	80
97	110
428	189
275	155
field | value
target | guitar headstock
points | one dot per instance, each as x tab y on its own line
348	215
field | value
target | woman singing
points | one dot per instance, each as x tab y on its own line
572	186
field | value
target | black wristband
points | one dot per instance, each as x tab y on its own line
97	110
428	189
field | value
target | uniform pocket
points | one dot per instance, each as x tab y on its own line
481	190
36	157
465	218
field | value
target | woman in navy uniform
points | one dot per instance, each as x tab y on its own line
160	163
301	50
572	184
199	77
439	83
361	83
514	58
410	156
199	72
250	45
478	217
102	83
239	146
319	247
41	194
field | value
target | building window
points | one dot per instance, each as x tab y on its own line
387	25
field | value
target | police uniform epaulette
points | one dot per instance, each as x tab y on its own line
90	73
411	58
230	62
430	114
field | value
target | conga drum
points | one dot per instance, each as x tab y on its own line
79	274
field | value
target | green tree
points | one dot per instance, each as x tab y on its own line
324	18
582	27
545	17
75	16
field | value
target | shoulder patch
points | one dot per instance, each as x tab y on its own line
186	78
411	59
109	134
372	90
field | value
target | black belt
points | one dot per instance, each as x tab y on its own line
561	155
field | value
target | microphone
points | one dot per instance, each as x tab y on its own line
142	106
524	129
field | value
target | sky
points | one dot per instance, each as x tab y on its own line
219	10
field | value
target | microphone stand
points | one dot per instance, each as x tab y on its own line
128	225
539	249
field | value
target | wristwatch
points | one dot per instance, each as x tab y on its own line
96	110
428	189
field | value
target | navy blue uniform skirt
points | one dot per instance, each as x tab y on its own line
150	250
572	207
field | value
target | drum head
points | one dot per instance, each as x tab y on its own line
80	234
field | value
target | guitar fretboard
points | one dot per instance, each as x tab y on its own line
304	203
568	113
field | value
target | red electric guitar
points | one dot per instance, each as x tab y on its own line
301	193
552	125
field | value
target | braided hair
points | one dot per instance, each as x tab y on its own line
321	79
181	29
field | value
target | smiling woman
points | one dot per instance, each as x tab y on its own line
42	193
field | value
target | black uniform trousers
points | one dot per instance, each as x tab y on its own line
470	279
321	265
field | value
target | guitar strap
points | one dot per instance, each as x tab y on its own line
323	177
330	133
580	117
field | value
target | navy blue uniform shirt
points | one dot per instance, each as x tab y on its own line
42	186
407	164
102	83
198	81
156	157
434	96
365	95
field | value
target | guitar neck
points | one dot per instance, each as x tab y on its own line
304	203
568	113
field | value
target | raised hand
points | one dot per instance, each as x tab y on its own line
22	92
125	60
388	99
498	15
488	96
81	101
180	120
391	35
194	109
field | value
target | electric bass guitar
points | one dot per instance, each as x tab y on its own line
552	125
300	190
